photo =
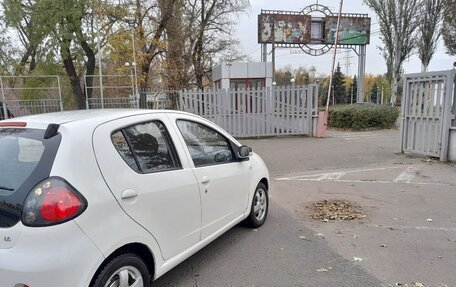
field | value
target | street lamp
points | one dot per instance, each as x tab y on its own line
132	24
127	64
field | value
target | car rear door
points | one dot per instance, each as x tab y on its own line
151	179
223	181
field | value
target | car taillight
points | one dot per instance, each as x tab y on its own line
51	202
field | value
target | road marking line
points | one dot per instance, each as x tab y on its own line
332	176
322	176
361	181
423	228
407	175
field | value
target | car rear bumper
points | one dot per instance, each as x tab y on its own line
60	255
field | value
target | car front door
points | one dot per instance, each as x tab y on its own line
223	181
151	179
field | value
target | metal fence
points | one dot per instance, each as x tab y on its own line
146	99
29	95
288	110
428	112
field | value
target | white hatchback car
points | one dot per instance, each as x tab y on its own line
118	197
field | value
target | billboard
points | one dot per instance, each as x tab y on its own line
353	30
284	29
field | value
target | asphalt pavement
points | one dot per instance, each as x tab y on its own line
283	252
407	239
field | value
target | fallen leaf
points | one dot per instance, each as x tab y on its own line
332	210
322	270
357	259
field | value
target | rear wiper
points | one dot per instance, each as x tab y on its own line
6	188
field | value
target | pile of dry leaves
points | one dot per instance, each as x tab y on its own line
327	210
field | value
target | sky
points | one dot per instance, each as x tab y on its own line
247	34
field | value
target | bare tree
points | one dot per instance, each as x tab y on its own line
211	24
398	25
176	64
429	30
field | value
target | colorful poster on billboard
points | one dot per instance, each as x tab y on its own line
353	30
284	29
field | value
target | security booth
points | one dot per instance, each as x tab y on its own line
242	75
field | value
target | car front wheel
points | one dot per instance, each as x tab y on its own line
259	208
124	270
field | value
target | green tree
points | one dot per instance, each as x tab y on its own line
449	27
374	94
283	77
302	76
339	90
354	89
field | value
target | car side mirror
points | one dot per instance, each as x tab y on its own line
244	152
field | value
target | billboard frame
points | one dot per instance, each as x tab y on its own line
310	48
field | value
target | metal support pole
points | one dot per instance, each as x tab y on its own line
265	53
5	109
351	99
60	94
361	72
273	52
336	40
134	65
86	92
99	62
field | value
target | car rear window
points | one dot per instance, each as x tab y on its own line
25	159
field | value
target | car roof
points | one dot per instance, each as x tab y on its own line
91	117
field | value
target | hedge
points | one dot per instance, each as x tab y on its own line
358	117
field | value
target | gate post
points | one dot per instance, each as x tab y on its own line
310	97
404	105
447	106
5	109
60	93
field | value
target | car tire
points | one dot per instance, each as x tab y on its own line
128	267
260	207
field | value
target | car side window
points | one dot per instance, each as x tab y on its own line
146	147
206	146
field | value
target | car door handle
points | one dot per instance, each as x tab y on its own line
205	180
128	193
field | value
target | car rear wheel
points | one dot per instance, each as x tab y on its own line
259	208
126	270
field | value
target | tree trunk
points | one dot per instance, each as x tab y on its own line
75	81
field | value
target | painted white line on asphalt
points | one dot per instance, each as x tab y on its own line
361	181
421	228
407	175
332	176
336	174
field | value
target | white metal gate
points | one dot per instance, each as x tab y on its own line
29	95
288	110
428	109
